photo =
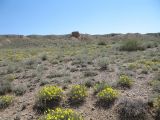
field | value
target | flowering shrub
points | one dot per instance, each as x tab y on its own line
125	81
5	101
100	86
48	96
61	114
107	95
156	104
50	92
78	93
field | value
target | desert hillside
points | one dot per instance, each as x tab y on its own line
80	77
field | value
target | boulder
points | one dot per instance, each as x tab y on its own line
75	34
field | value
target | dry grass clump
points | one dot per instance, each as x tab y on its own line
132	109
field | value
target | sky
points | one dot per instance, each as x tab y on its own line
86	16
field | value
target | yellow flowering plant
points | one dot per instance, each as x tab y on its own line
48	96
61	114
5	101
78	93
125	81
107	95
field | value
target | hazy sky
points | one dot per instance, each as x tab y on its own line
86	16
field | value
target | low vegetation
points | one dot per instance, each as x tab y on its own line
5	101
131	45
125	81
77	94
132	109
5	87
48	96
107	95
61	114
99	76
19	90
100	86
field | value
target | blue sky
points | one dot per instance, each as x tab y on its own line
87	16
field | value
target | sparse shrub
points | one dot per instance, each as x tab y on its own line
67	80
107	95
89	83
101	43
157	76
134	109
10	77
53	61
144	71
89	74
61	114
155	67
131	45
29	63
156	80
125	81
5	101
12	69
5	87
103	63
43	57
132	66
155	85
77	94
19	90
156	104
82	60
48	96
43	82
100	86
73	69
56	74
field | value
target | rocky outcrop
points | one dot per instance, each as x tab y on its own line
75	34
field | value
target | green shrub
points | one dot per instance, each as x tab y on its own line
89	74
5	101
10	77
5	87
48	96
131	45
13	68
156	104
103	63
61	114
134	109
157	76
89	83
19	90
100	86
43	57
156	85
125	81
29	63
107	95
101	43
77	94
